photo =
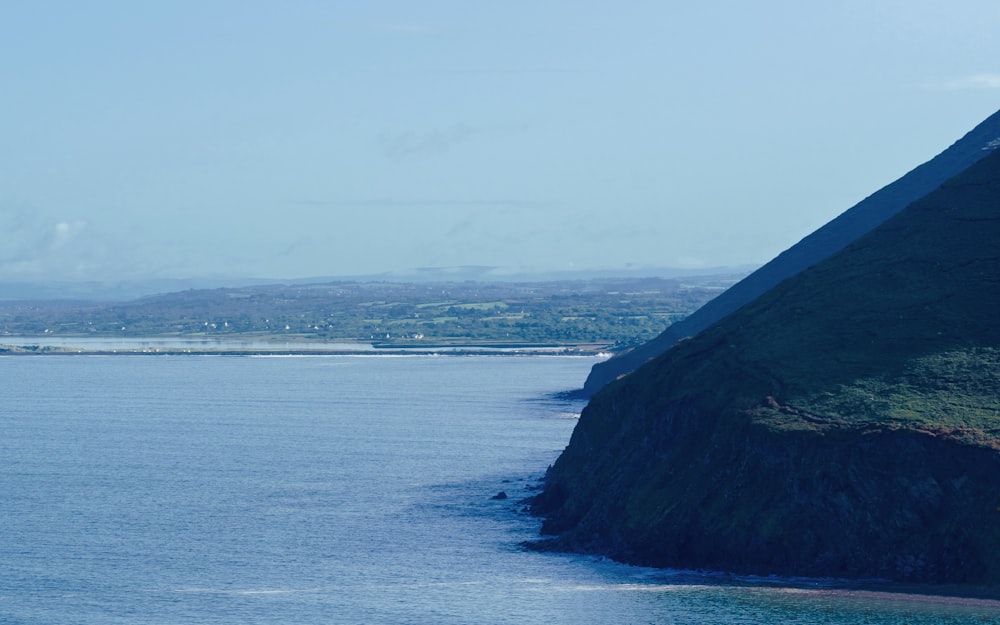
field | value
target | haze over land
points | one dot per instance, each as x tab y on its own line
223	140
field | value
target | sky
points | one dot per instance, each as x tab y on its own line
293	139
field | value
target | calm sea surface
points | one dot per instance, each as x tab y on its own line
216	489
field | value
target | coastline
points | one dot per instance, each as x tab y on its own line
93	346
944	594
969	595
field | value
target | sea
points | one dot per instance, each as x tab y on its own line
174	489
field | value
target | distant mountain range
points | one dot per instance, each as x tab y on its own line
845	423
126	290
829	239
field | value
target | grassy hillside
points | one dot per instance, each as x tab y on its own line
901	329
845	423
822	243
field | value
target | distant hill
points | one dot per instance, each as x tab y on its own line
127	290
831	238
589	315
846	423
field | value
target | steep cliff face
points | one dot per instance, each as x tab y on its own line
901	505
846	423
819	245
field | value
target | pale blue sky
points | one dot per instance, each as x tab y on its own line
294	139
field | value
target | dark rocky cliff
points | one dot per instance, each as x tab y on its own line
846	423
829	239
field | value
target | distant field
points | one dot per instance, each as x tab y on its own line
607	314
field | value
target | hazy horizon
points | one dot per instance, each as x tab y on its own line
227	140
128	289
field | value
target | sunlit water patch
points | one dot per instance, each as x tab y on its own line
331	490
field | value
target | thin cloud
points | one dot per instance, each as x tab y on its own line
423	203
26	237
64	233
294	247
32	246
974	81
408	144
513	71
407	28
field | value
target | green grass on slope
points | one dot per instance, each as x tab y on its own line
954	394
900	329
